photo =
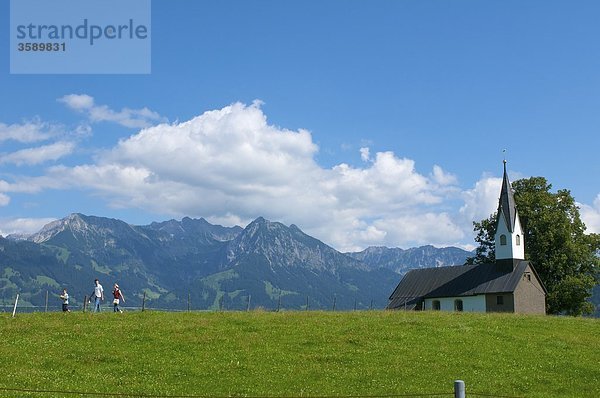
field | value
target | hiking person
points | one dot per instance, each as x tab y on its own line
98	295
65	298
118	297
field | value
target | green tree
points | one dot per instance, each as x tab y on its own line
486	251
565	257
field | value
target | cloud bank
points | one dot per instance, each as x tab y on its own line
230	165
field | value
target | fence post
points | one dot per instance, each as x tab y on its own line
85	300
306	303
371	305
248	307
144	302
15	307
46	307
459	389
334	299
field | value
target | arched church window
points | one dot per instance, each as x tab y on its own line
518	240
458	305
502	240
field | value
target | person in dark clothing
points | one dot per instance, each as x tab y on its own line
117	298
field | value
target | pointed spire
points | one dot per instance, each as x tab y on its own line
507	206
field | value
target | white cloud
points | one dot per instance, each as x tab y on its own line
32	184
37	155
441	177
437	229
481	201
78	102
365	154
25	185
230	164
4	199
590	215
22	225
133	118
387	185
28	132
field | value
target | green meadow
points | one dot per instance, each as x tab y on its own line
298	354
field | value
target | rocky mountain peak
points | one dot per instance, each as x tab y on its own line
261	225
88	230
74	221
283	246
403	260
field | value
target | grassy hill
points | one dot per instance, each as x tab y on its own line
299	354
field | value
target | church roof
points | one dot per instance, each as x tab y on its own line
507	207
456	281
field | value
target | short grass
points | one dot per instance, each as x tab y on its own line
294	354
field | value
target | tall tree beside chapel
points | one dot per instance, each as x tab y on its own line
565	257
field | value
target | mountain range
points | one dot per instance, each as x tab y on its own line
176	264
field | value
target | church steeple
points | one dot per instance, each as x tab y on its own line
509	235
507	202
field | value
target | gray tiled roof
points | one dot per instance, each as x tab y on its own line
460	280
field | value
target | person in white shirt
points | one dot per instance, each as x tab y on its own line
65	298
98	295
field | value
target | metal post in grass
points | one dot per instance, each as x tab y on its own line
85	300
248	306
144	302
307	303
46	306
459	389
279	302
15	307
371	305
334	299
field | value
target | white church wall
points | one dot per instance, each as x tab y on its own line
511	249
470	303
518	249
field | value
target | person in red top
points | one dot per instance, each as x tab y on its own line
118	297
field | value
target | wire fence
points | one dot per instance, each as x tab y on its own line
137	395
144	303
457	393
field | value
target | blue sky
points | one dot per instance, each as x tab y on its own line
362	122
